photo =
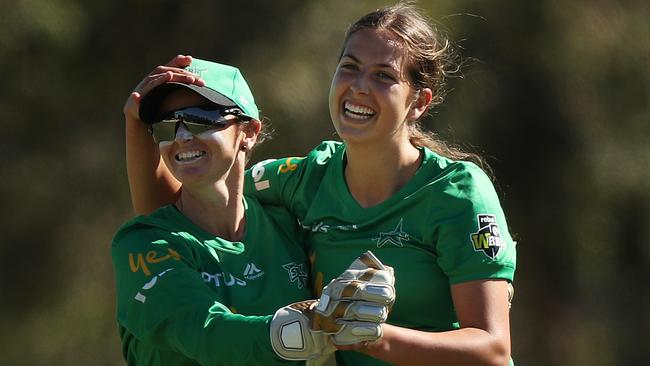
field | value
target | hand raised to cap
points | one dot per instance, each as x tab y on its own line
172	71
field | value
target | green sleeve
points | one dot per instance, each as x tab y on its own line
289	182
473	239
273	181
162	300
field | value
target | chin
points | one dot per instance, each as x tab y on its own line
191	175
354	133
350	136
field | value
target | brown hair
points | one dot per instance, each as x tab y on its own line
431	60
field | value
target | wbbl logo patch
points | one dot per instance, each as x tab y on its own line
487	239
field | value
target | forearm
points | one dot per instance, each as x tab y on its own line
171	307
150	182
221	338
228	339
467	346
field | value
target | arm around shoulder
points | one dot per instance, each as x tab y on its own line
151	183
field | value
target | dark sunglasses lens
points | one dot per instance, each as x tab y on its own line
164	131
197	128
196	120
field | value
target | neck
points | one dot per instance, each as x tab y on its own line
374	173
217	207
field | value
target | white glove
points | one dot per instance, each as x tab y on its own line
295	334
359	300
350	310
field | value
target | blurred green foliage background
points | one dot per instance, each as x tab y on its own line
556	95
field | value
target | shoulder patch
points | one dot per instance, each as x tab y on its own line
488	238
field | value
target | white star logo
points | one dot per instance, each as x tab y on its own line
394	237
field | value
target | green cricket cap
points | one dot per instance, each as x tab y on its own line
224	85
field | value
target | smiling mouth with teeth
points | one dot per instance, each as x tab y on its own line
189	155
357	111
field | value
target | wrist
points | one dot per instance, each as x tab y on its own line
136	127
131	119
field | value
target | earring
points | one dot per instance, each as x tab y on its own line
244	148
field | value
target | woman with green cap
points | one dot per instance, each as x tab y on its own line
205	280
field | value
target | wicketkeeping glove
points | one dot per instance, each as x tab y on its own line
350	310
359	300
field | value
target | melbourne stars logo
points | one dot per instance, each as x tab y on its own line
393	237
196	71
296	273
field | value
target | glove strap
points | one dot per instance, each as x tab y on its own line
291	336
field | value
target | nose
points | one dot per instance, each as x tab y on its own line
182	133
359	84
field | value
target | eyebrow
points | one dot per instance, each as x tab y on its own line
387	66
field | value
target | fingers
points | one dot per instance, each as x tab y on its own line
175	70
361	283
353	323
166	74
346	311
357	332
172	71
353	306
367	260
362	311
378	292
181	61
367	263
367	279
368	275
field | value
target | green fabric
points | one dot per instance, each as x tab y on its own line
181	290
228	81
224	86
430	231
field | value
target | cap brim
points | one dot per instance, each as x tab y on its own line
150	103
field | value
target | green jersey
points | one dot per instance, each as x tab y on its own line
444	227
186	297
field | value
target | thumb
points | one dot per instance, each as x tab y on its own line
367	260
132	105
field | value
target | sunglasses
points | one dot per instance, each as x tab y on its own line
195	119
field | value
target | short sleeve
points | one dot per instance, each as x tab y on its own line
473	238
289	182
273	181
